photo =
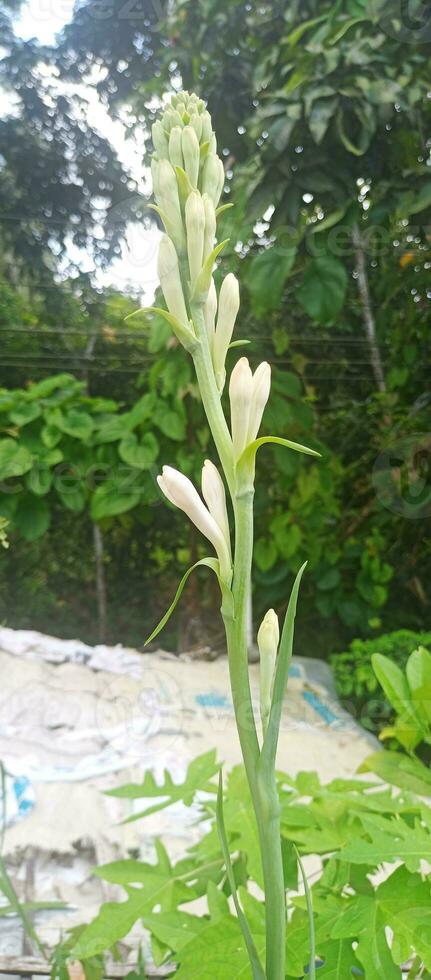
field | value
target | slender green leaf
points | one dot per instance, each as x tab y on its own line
269	748
312	966
258	973
212	563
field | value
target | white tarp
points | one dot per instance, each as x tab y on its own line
76	720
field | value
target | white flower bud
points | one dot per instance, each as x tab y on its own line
210	225
180	491
213	177
210	311
191	154
214	494
195	225
227	312
155	174
268	639
207	129
240	393
160	140
196	122
172	118
170	203
170	280
259	398
175	151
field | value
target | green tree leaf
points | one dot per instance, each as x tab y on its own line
267	276
32	517
141	454
323	289
14	459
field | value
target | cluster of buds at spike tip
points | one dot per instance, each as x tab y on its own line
248	395
188	180
212	519
268	639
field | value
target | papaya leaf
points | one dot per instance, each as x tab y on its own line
198	778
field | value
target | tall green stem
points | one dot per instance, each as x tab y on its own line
263	787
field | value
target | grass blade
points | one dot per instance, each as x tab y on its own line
258	972
308	898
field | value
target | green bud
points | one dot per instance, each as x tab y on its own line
160	140
190	145
210	225
268	639
175	151
213	177
170	280
195	225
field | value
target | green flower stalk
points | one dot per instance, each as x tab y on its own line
188	179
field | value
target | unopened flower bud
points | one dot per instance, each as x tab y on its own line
268	639
207	129
213	177
259	398
210	225
170	203
160	140
155	174
210	311
175	151
170	280
195	225
191	154
227	312
196	122
240	392
214	494
180	491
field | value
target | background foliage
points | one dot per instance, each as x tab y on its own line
323	114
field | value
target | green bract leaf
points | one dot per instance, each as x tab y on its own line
203	281
183	331
269	748
212	563
247	458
